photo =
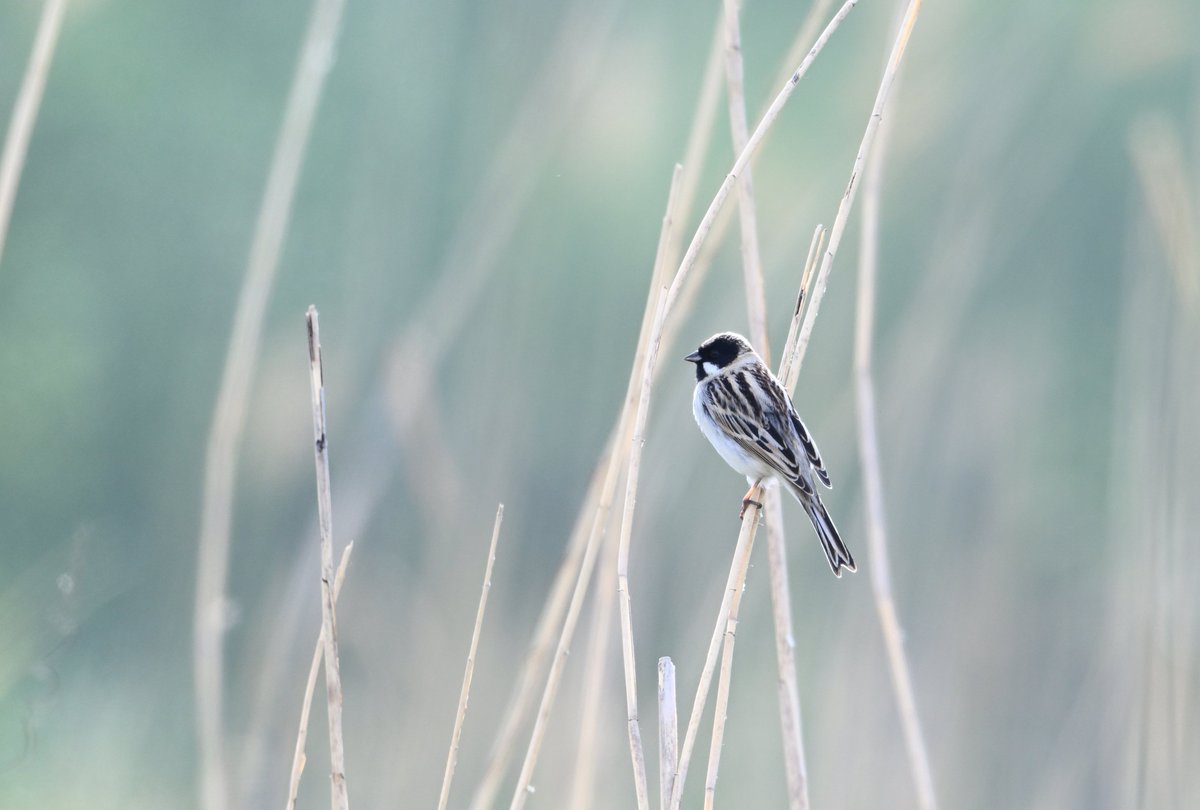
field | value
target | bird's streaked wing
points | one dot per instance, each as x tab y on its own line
754	411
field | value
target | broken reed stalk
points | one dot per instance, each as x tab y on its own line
599	521
868	443
333	678
310	686
229	410
24	114
668	731
465	692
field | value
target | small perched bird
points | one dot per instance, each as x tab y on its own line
744	411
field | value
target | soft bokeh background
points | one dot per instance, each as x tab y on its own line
490	178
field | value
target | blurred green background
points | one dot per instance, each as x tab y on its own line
476	220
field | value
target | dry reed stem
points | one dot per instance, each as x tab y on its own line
648	345
668	731
688	261
698	139
788	371
578	594
744	157
333	678
690	292
720	713
597	650
880	565
789	697
24	115
229	411
790	718
734	582
788	689
901	678
464	694
595	666
700	135
539	648
756	313
700	132
637	441
563	648
800	43
494	772
604	506
310	686
598	500
752	275
864	148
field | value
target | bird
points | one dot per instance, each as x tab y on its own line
748	417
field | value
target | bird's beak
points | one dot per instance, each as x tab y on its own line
694	357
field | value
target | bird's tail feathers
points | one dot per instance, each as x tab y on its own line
835	550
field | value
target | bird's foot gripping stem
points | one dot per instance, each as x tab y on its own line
747	502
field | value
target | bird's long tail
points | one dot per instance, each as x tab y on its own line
835	550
